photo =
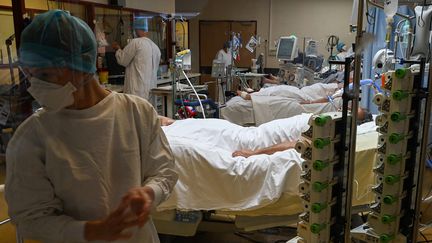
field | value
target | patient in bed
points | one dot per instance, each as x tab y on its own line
281	102
210	178
363	115
268	138
303	95
237	168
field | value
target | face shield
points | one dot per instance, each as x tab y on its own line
56	42
56	39
141	23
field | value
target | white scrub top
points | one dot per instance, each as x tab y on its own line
141	57
66	168
224	57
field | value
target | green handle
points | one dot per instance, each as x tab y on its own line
316	228
392	179
322	120
401	72
394	159
318	207
387	219
397	117
320	143
389	199
400	95
320	165
319	186
385	238
396	138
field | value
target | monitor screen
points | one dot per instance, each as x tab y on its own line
112	65
286	48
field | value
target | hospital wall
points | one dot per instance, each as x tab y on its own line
317	19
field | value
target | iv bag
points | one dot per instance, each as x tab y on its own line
405	37
354	13
390	7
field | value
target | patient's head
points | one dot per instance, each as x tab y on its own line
363	115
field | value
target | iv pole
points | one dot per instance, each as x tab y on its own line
354	108
8	46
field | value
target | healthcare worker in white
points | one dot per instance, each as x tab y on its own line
91	164
141	57
224	54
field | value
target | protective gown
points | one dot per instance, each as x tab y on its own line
69	167
141	57
224	57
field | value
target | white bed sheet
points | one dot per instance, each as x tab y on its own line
268	108
227	183
263	109
211	179
238	111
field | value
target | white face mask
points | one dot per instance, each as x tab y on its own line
52	97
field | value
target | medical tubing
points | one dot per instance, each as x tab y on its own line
366	82
331	101
194	90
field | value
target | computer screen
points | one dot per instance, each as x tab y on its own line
112	65
287	48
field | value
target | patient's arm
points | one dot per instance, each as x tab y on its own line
165	121
271	81
244	95
269	150
322	100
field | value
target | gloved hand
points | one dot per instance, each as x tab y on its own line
140	200
134	210
362	82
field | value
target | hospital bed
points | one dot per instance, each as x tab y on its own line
177	218
262	109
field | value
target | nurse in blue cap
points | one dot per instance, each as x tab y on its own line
141	57
91	164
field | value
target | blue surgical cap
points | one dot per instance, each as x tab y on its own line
141	23
57	39
339	46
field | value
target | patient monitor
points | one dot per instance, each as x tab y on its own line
287	48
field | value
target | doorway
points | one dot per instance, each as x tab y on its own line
213	34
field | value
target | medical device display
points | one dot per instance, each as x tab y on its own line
392	215
218	69
182	62
421	47
322	176
296	75
287	48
